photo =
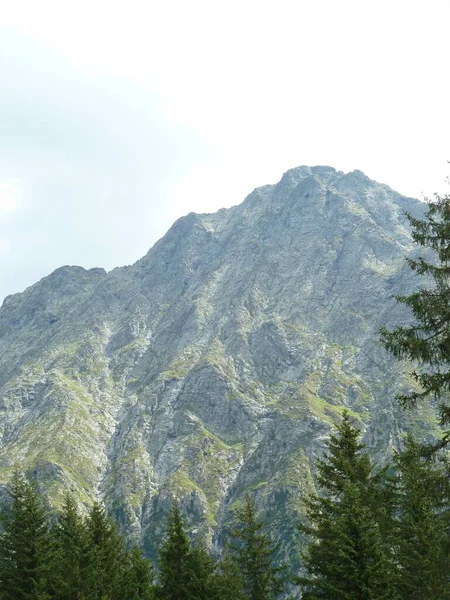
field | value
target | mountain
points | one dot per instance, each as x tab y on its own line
217	363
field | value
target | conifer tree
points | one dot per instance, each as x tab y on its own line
346	558
72	568
185	572
427	342
203	569
138	577
26	552
174	563
423	526
254	553
106	556
229	579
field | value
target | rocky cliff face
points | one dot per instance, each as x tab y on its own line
217	363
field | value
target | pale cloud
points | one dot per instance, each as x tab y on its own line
117	118
10	192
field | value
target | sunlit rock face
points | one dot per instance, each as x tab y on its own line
218	362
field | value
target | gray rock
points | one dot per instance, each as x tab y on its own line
218	362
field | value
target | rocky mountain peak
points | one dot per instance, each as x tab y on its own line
217	363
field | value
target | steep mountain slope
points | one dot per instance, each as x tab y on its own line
217	362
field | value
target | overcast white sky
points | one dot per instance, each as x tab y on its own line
117	118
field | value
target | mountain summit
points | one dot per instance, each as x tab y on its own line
217	363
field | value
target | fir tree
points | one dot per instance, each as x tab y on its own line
138	577
427	342
26	552
174	560
106	555
229	579
185	572
71	541
254	554
423	526
203	569
346	558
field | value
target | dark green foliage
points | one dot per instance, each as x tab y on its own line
106	556
72	567
372	537
346	557
203	573
423	526
138	577
91	561
428	341
185	572
26	552
174	554
230	580
253	552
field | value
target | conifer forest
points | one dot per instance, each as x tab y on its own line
370	533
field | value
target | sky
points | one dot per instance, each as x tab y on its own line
118	118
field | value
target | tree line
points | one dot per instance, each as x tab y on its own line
75	557
370	534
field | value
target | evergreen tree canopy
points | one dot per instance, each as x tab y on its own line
230	580
185	572
174	555
422	534
72	568
254	553
427	342
26	552
72	558
203	570
138	577
106	556
346	558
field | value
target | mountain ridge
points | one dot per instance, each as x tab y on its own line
217	362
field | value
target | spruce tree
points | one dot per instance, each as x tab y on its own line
254	554
203	569
185	572
427	341
138	576
106	556
204	572
174	560
26	551
346	558
422	532
72	567
229	579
